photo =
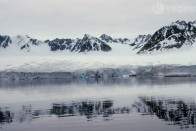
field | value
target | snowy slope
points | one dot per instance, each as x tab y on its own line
178	35
25	43
140	41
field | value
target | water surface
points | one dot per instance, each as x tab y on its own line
136	104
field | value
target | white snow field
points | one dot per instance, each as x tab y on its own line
43	60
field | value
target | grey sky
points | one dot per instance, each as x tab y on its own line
48	19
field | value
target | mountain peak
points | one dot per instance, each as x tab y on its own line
179	22
22	36
193	23
87	36
106	38
175	36
90	43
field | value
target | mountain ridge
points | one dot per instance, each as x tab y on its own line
174	36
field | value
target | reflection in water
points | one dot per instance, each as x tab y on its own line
37	96
101	81
175	112
89	109
5	116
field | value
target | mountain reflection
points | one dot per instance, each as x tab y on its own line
89	109
5	116
175	112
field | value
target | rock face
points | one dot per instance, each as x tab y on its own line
89	43
61	44
122	40
4	41
177	35
106	38
140	41
109	39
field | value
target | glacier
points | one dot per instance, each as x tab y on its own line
117	72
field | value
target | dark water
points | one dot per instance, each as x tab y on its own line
136	104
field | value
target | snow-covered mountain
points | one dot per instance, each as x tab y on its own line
25	43
90	43
19	42
175	36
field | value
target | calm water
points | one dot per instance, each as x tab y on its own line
136	104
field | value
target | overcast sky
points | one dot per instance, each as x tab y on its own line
48	19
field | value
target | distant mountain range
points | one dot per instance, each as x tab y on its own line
174	36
